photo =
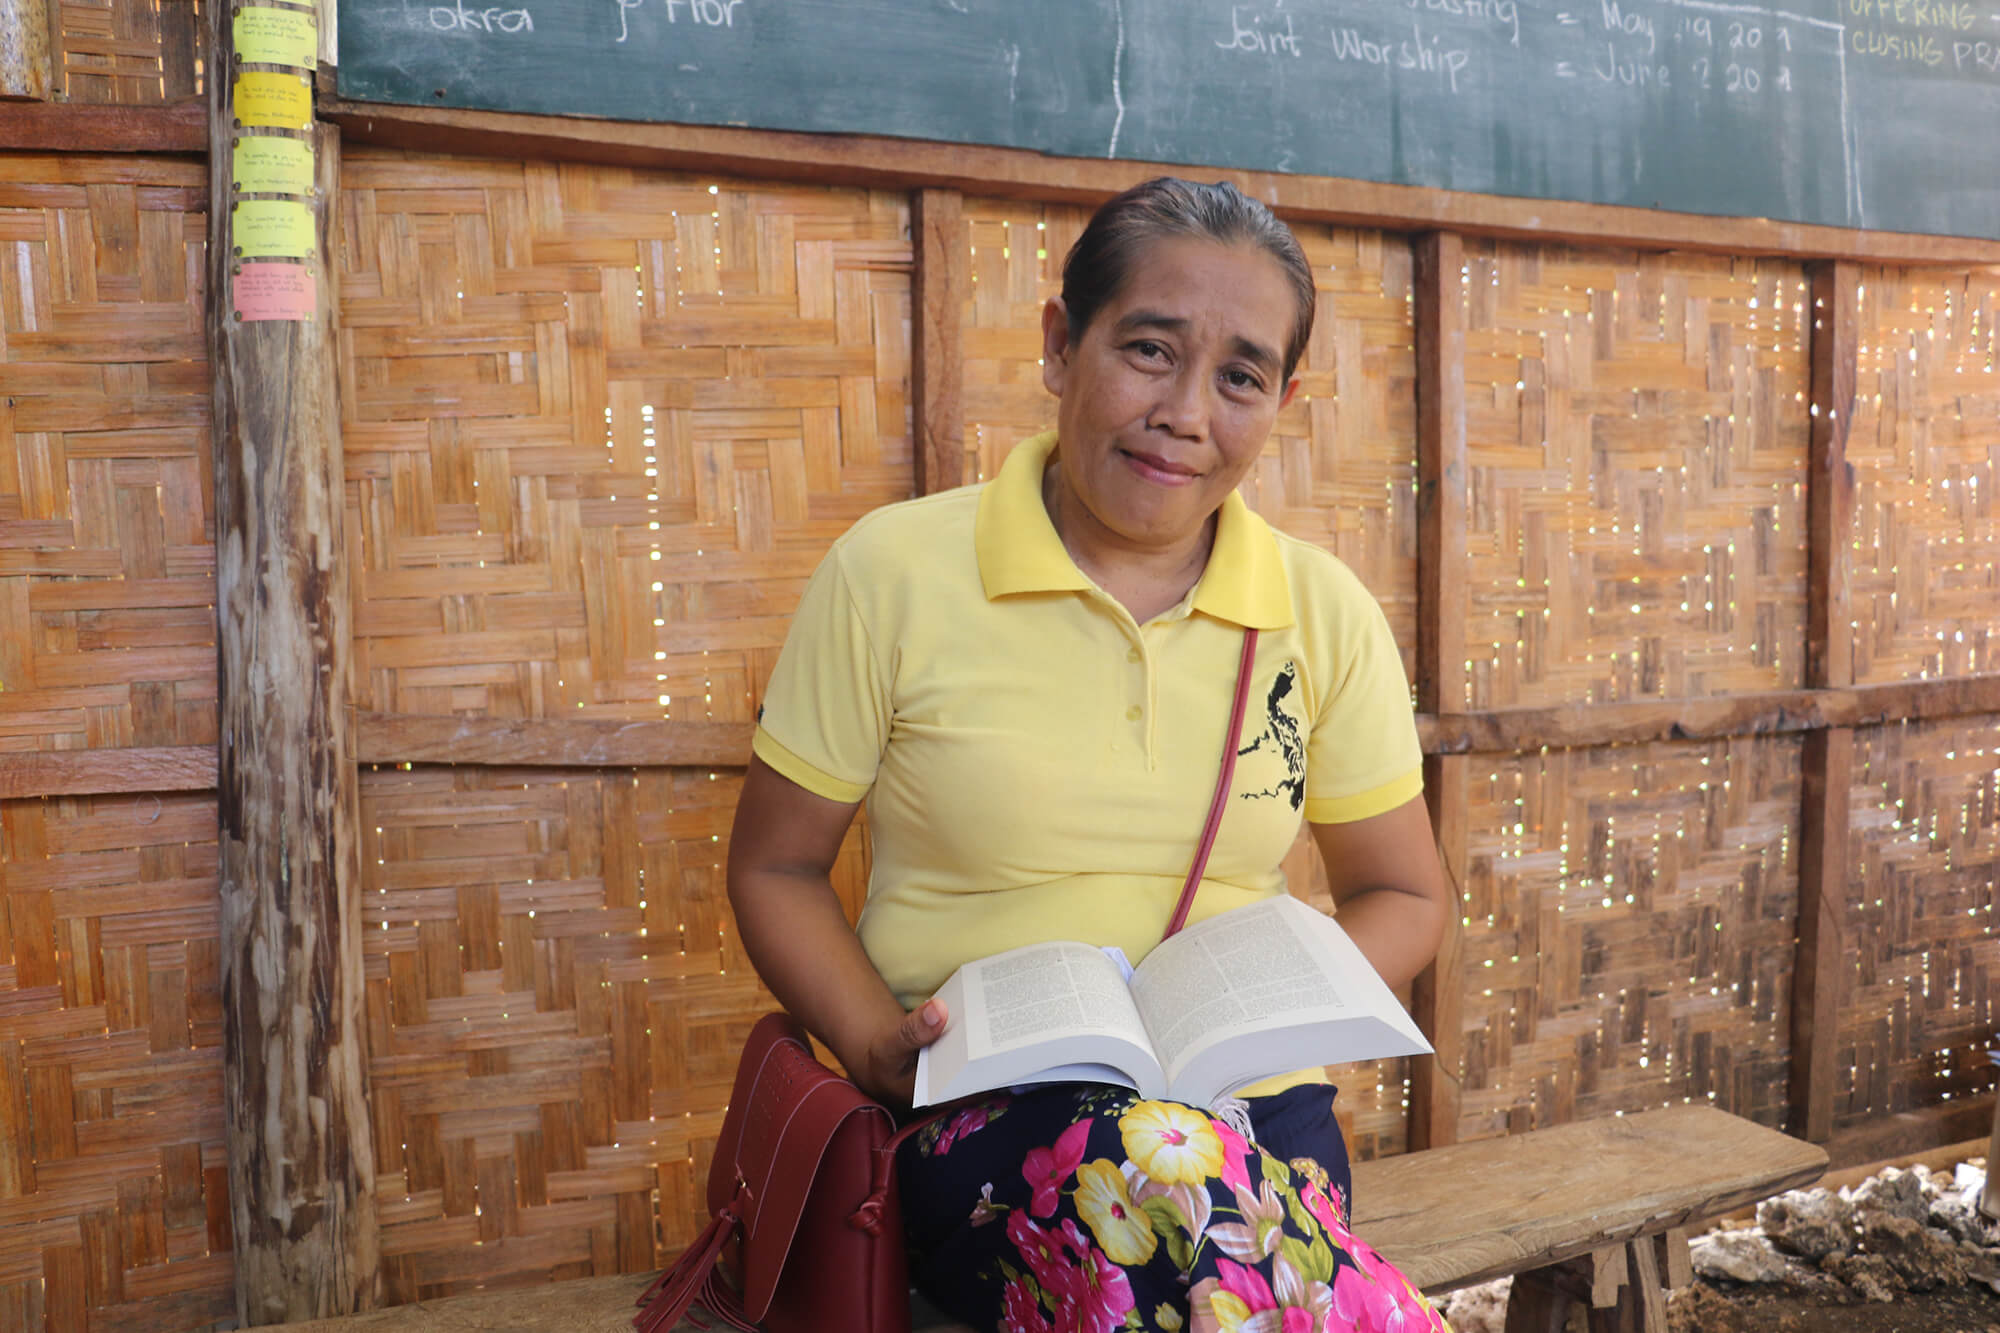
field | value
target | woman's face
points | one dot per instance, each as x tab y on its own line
1169	394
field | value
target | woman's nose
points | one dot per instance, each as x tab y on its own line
1183	406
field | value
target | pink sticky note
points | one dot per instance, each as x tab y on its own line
273	291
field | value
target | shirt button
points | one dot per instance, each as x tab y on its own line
1131	654
1134	713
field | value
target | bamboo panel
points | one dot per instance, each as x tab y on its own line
1636	440
107	552
601	424
1925	449
114	1180
1917	1009
556	999
130	52
1629	932
1340	468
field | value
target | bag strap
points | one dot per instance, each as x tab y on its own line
1221	798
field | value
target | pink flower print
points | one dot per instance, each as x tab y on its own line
1103	1295
1235	1152
1373	1295
1042	1251
1329	1211
1246	1285
1020	1311
1047	1169
960	1125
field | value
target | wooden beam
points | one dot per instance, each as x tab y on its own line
27	56
1437	995
393	738
1517	730
1016	173
1821	955
68	127
301	1158
1441	476
937	365
1834	352
1828	762
97	772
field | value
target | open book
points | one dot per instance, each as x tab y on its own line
1261	990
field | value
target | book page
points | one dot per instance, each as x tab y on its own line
1042	992
1245	969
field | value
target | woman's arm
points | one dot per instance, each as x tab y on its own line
1389	886
781	853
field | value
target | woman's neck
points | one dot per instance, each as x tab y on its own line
1145	580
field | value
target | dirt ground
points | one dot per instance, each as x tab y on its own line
1705	1309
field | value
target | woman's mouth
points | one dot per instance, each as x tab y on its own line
1160	471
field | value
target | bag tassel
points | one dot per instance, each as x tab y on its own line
663	1303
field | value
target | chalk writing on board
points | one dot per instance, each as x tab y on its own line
694	13
460	17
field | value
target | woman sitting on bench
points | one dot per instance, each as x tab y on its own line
1029	681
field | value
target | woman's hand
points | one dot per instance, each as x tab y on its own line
890	1074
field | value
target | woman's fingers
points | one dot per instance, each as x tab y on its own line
895	1054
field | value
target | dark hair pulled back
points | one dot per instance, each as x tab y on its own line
1168	207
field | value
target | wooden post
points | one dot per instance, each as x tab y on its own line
27	55
301	1161
1441	612
1829	753
937	364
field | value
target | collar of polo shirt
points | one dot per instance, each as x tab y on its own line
1019	550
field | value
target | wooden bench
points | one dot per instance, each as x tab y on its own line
1594	1213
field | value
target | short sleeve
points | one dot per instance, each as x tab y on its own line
1363	758
826	711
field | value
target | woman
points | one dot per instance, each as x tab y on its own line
1029	681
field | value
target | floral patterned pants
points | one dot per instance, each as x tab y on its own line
1081	1208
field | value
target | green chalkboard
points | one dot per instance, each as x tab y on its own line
1880	114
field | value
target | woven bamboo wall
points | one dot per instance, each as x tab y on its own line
1629	942
107	562
1924	846
114	1191
131	52
113	1184
1636	442
600	427
1925	448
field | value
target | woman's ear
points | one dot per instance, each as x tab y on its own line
1291	387
1055	345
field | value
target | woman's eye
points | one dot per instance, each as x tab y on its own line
1146	347
1242	380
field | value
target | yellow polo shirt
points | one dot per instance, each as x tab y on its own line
1036	764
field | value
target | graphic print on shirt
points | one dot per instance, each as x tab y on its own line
1281	745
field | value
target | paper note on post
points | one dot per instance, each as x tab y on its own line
266	98
273	291
272	228
268	164
267	35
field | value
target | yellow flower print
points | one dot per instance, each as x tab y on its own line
1168	1319
1122	1229
1172	1144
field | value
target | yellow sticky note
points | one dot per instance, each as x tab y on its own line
280	101
267	164
272	228
268	35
